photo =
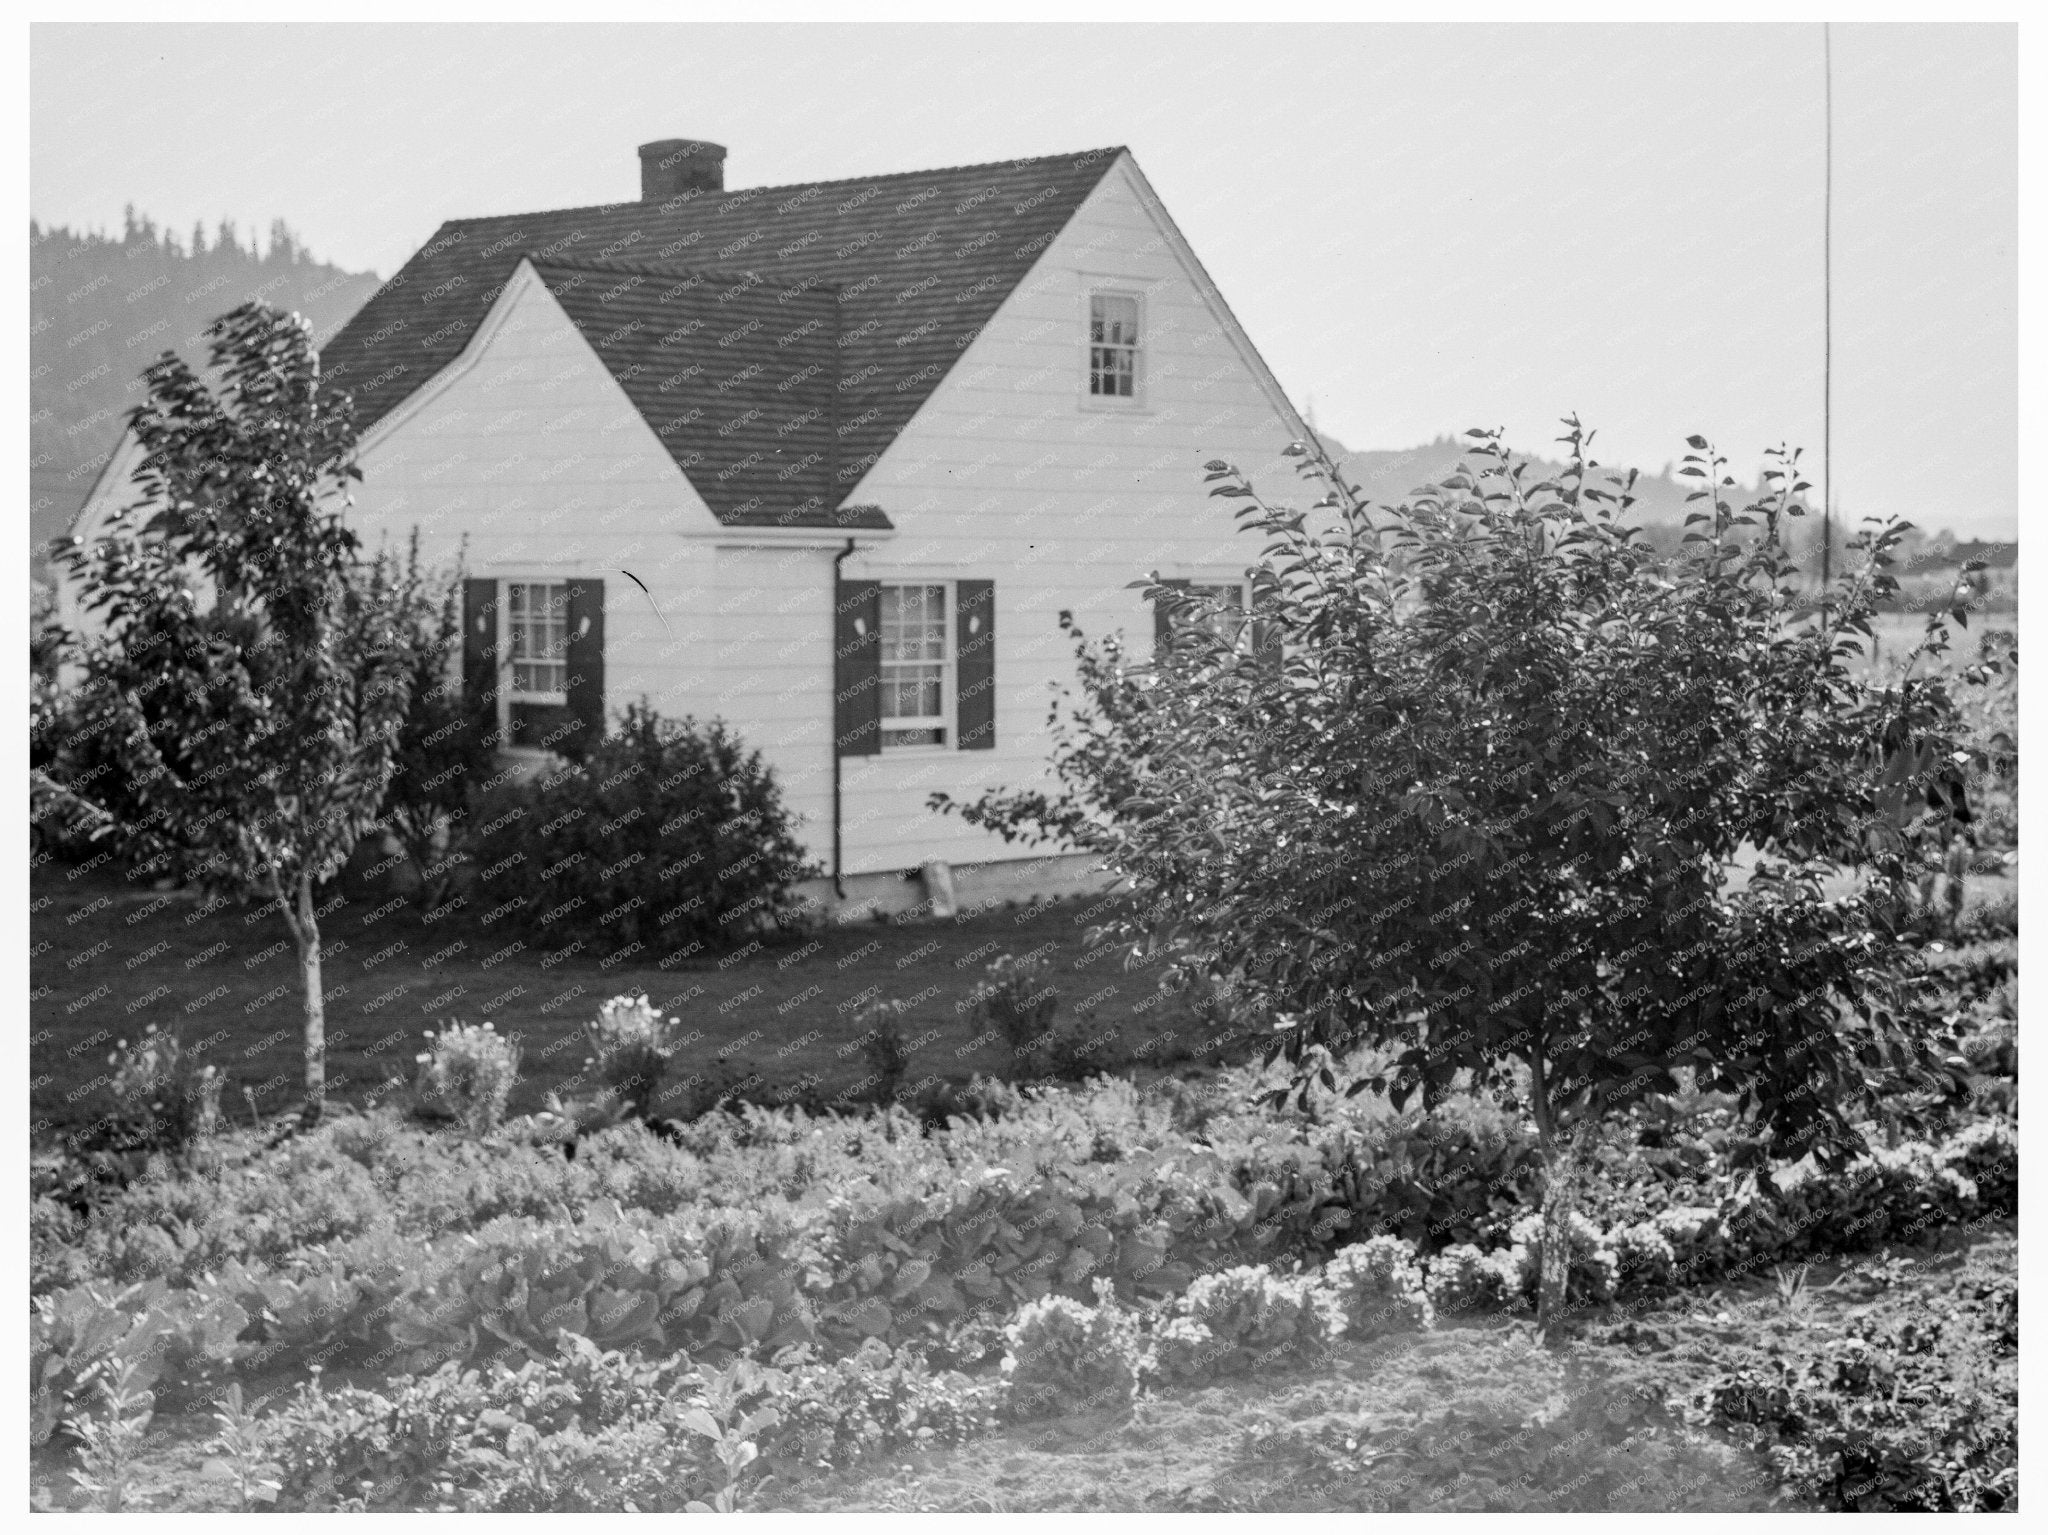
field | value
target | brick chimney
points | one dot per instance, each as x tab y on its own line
672	166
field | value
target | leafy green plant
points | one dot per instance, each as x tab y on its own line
163	1098
80	1338
109	1440
720	1414
1080	1048
1253	1318
1593	1267
669	834
1793	1294
883	1047
237	1453
633	1046
1462	1280
1062	1356
467	1071
1914	1412
1378	1288
1018	999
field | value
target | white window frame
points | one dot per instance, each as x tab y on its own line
947	720
509	691
1136	399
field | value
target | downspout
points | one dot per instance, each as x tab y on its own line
832	500
832	730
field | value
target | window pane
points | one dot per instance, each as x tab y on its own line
1113	346
1113	320
537	627
914	645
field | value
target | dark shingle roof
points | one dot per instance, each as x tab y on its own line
878	284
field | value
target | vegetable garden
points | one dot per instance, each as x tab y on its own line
760	1307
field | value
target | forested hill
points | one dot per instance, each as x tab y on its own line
101	309
1389	476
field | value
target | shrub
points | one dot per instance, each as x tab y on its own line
1019	999
1254	1317
161	1096
1179	1348
468	1071
1067	1357
1461	1279
1595	1271
1988	1154
1378	1288
1080	1049
1246	792
882	1046
669	836
633	1048
1644	1258
1699	1243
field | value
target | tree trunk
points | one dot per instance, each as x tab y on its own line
1563	1170
307	930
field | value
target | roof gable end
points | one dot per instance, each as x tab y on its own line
916	263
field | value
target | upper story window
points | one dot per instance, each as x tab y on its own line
917	664
537	635
1113	346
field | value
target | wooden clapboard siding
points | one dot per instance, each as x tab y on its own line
527	452
530	448
1004	475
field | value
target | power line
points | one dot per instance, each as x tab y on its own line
1827	367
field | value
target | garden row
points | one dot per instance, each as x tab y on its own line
1908	1410
373	1245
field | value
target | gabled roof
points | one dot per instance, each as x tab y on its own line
879	283
737	373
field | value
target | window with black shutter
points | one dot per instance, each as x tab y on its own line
975	664
533	661
857	669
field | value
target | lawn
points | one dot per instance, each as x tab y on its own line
108	959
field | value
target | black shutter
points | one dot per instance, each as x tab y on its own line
586	665
857	668
480	655
975	640
1265	633
1162	615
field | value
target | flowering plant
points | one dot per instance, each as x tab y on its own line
468	1070
633	1044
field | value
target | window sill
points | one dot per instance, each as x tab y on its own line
1102	405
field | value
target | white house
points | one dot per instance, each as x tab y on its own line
826	461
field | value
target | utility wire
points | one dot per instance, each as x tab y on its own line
1827	367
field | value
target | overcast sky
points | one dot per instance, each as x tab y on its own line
1423	228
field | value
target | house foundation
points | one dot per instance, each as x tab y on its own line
936	891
